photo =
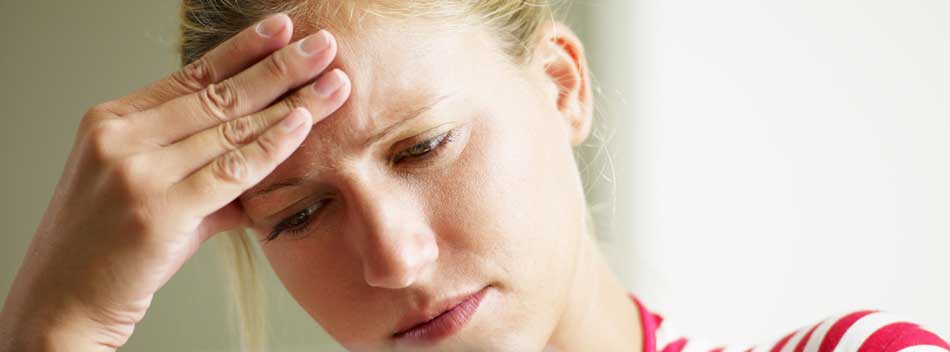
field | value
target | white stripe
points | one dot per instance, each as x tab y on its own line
734	348
697	346
765	347
792	342
863	329
665	334
923	348
814	342
768	345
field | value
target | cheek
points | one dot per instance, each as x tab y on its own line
305	271
323	282
509	211
510	199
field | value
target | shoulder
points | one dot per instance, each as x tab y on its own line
862	331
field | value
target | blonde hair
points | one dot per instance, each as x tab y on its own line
207	23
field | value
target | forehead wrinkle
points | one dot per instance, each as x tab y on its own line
386	86
389	74
390	80
327	135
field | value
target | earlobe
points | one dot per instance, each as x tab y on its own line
562	59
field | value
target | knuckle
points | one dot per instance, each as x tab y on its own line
230	167
293	101
128	169
238	132
95	115
219	99
269	145
101	138
195	75
99	111
129	176
277	65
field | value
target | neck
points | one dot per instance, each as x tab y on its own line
599	315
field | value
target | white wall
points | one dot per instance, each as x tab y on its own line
780	161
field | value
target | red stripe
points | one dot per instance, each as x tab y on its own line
881	338
648	326
781	343
837	330
676	346
804	341
891	338
914	336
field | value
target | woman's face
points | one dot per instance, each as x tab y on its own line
449	170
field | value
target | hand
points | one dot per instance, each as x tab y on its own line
154	174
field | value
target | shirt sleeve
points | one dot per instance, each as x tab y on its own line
863	331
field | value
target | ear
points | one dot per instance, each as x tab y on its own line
559	54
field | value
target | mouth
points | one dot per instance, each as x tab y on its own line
451	315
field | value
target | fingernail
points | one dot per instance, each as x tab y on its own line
271	26
329	83
297	118
315	43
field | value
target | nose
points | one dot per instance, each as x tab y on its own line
393	238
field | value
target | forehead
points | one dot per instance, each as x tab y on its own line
397	66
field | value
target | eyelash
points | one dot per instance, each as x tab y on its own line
296	223
301	220
425	147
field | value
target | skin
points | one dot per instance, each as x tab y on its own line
501	205
154	174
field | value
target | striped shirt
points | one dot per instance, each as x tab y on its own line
863	331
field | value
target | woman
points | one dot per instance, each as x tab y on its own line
405	166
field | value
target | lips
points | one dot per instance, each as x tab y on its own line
440	321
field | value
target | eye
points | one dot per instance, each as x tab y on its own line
296	223
425	147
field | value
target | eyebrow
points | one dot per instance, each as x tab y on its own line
409	116
406	117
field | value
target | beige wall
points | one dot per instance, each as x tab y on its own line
58	59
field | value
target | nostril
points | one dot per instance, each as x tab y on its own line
390	280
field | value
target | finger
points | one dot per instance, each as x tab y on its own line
234	55
230	217
245	93
225	178
322	98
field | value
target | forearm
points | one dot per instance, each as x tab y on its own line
52	327
51	335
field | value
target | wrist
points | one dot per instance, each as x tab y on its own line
49	340
44	330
